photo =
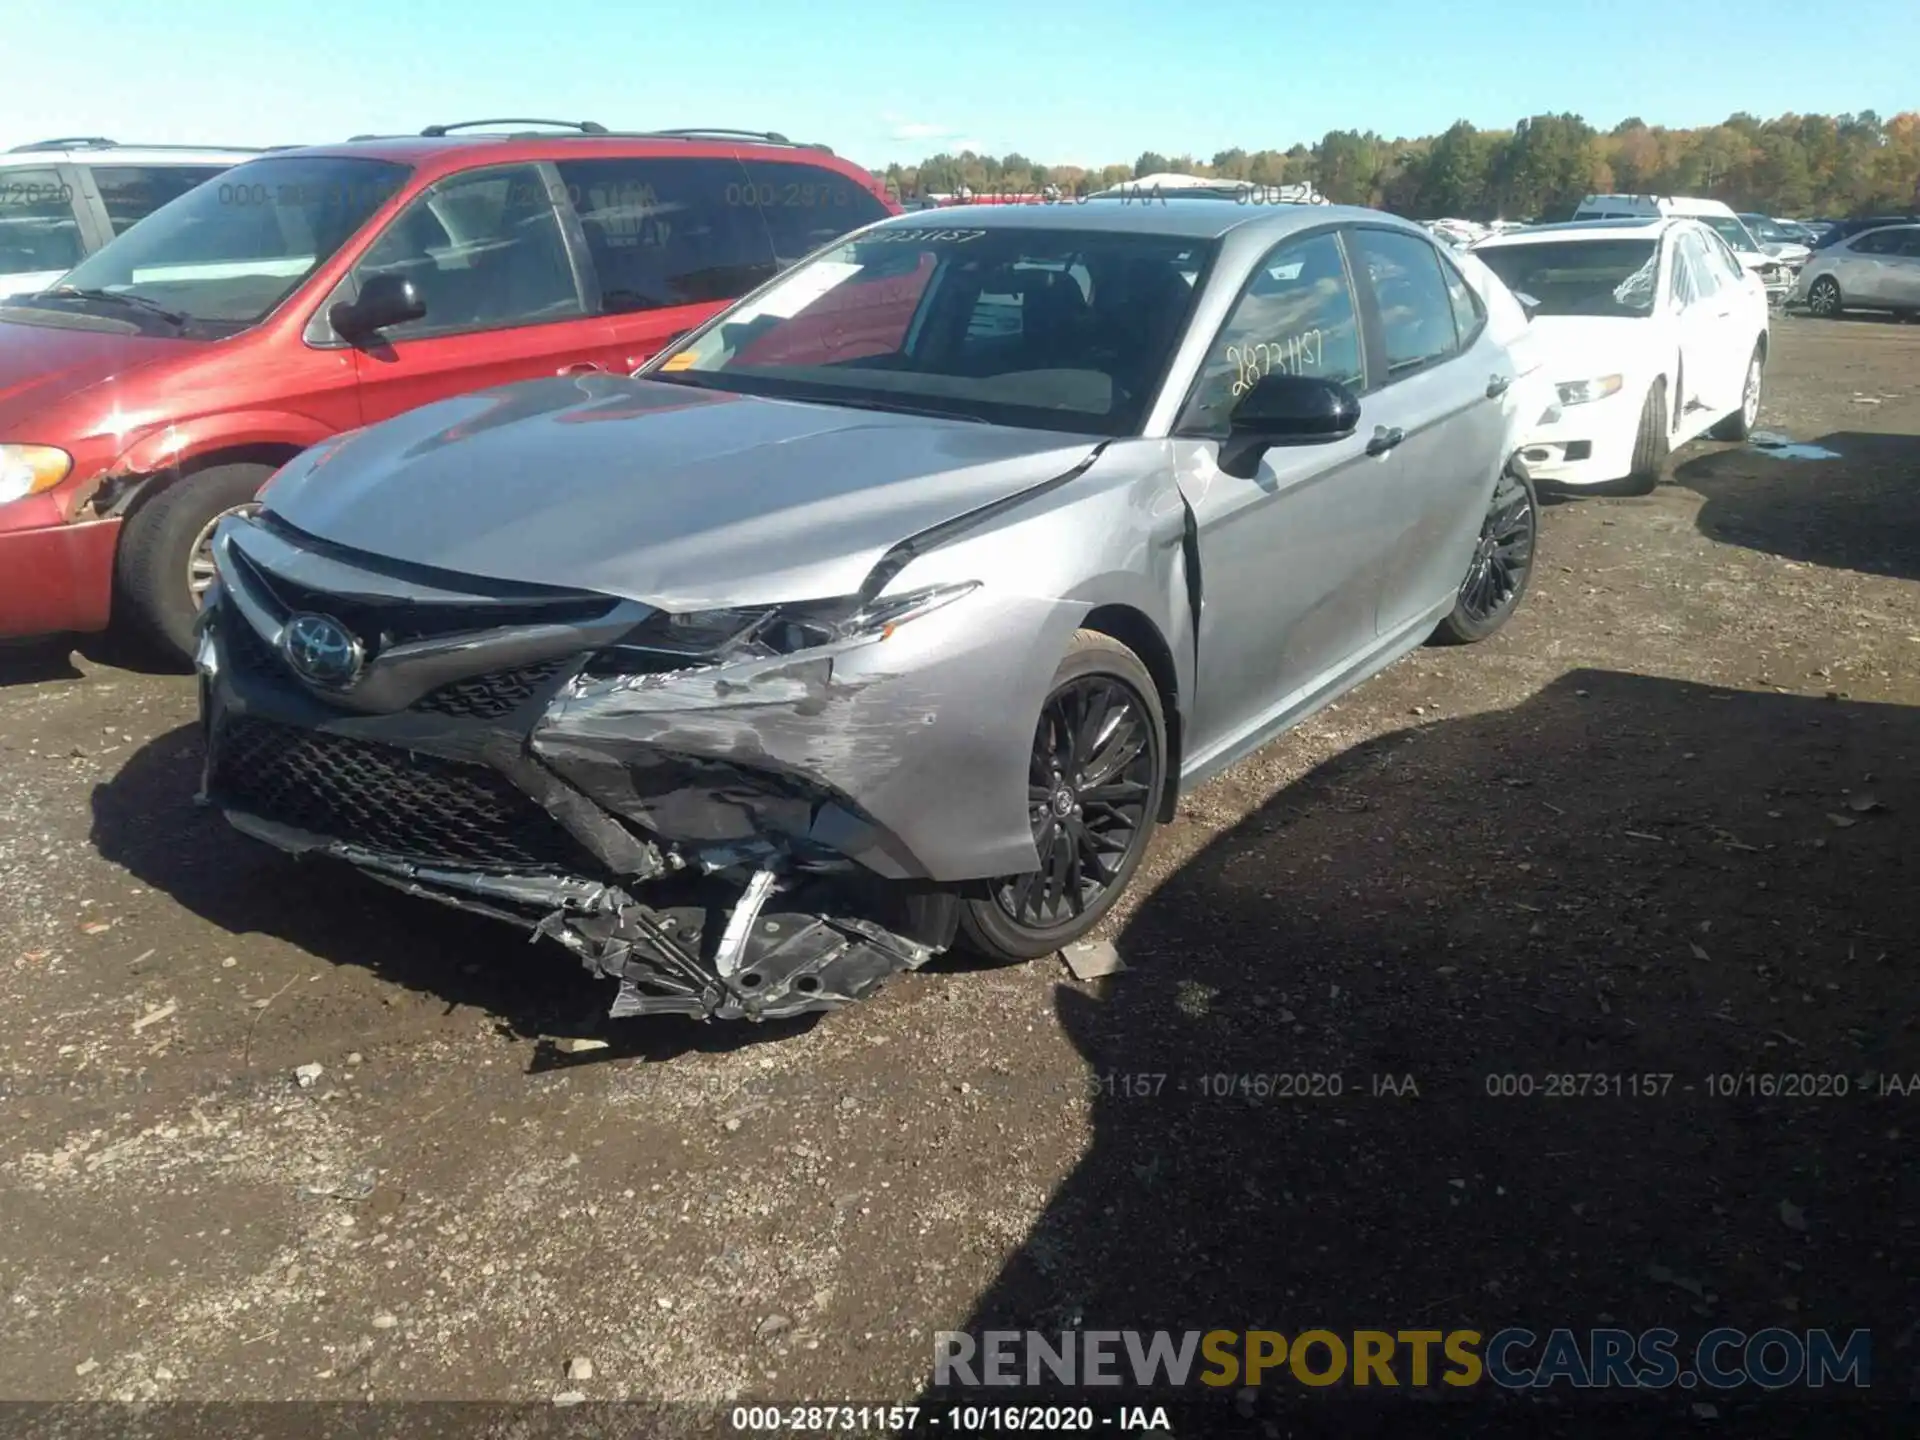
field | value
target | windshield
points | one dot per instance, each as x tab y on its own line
1579	277
1765	231
1729	228
224	254
1054	329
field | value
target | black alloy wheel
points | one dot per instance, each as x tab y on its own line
1094	779
1501	566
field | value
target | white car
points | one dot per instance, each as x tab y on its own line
1775	273
1654	334
60	200
1874	270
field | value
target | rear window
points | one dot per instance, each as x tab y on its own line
133	192
664	232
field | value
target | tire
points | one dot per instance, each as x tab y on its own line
1004	920
1740	424
1824	299
1650	445
153	592
1501	569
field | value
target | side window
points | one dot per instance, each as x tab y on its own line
1296	316
484	250
1681	284
38	230
1874	242
1469	314
805	206
1907	242
665	232
1415	311
1693	249
1731	270
133	192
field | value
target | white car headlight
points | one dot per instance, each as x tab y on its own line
28	469
1582	392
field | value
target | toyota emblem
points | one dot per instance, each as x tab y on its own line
322	651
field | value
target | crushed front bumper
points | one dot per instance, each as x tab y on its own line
672	831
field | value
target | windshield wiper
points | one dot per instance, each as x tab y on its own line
863	402
116	297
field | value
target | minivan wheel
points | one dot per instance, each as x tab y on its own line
1502	564
165	563
1094	779
1823	297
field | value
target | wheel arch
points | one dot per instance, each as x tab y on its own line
1133	629
137	490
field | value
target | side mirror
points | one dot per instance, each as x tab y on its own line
1286	410
1528	305
384	300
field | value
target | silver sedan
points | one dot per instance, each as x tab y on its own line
893	608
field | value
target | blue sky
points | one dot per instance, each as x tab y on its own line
1064	82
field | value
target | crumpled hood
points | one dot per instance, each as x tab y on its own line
1576	347
674	496
45	365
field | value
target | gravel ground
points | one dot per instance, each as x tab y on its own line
1662	824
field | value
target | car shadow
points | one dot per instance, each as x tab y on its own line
52	657
1859	511
1426	1043
145	821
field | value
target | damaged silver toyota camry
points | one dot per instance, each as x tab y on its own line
892	609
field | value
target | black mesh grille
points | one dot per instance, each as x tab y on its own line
245	649
489	696
411	806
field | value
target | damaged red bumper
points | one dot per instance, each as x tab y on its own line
55	577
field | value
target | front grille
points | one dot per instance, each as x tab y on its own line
393	801
489	696
245	648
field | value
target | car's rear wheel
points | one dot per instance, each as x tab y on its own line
1650	445
1740	424
165	559
1094	780
1823	297
1501	567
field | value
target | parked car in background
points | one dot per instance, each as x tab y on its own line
61	200
1838	230
1776	240
313	291
1654	335
1776	276
854	626
1876	269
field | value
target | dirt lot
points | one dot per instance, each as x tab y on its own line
1664	824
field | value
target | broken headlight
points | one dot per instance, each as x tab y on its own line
712	637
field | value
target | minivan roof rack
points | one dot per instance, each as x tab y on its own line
100	142
714	132
585	127
65	142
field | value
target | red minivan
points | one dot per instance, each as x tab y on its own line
165	378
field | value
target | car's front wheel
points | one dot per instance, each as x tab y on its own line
1823	297
1502	564
1094	780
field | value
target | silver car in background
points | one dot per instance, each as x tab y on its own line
1876	269
889	612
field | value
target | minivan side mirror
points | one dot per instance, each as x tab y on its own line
384	300
1286	410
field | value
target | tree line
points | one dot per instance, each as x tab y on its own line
1794	165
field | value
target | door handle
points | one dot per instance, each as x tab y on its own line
583	367
1497	385
1385	437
